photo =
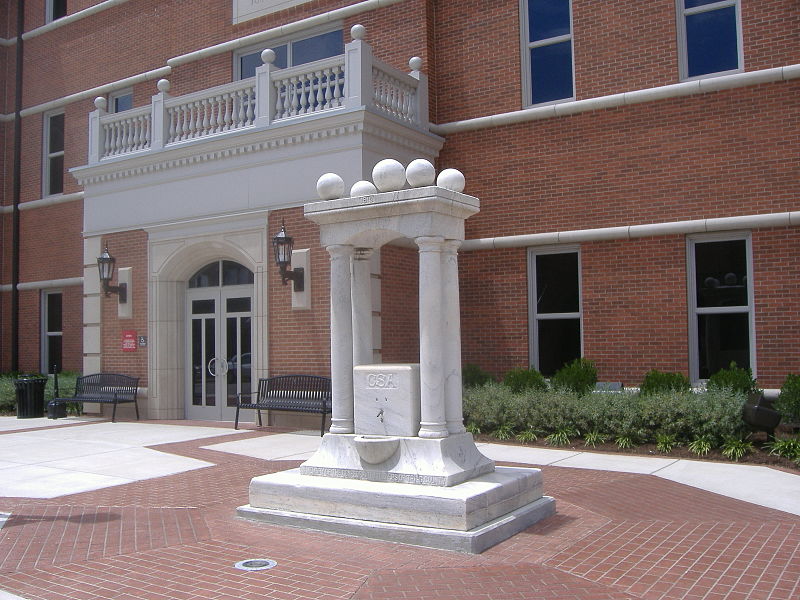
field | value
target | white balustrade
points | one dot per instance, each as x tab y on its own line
125	132
217	110
354	80
309	88
394	92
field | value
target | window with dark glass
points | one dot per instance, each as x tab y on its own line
556	310
721	306
548	51
121	102
54	155
295	52
225	271
710	36
52	332
56	9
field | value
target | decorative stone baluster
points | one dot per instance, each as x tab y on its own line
338	82
204	105
251	106
433	422
341	340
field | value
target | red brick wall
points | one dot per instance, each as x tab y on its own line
776	253
130	250
299	340
719	154
399	305
494	317
635	307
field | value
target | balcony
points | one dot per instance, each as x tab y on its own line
251	146
273	98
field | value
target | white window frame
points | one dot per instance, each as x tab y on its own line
533	316
280	41
49	8
114	96
45	334
47	154
527	84
683	51
695	311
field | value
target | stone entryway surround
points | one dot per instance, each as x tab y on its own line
617	536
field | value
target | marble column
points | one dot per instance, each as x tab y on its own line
453	397
432	410
362	307
341	340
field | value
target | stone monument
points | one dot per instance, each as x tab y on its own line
397	463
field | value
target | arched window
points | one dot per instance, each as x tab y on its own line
225	271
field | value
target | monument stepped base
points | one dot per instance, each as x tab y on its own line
468	517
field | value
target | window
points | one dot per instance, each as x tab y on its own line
555	308
53	176
709	37
55	10
291	53
120	101
721	304
547	51
51	331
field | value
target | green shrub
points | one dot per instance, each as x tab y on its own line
786	447
734	448
579	376
658	381
8	393
788	403
701	445
519	380
473	376
733	378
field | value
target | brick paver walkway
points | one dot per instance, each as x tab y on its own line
616	536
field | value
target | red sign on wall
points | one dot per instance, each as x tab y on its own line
129	341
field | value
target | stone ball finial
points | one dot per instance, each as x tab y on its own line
268	56
330	187
415	63
100	103
363	188
389	175
163	85
420	172
358	31
451	179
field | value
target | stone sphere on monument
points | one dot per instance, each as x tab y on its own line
330	187
389	175
420	172
451	179
363	188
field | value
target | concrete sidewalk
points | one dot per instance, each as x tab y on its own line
146	510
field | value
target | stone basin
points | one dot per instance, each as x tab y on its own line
375	449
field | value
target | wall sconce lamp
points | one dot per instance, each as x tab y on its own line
105	265
282	244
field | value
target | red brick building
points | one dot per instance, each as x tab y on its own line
637	168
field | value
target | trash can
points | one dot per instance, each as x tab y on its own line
30	396
56	409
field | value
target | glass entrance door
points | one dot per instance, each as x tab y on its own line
219	341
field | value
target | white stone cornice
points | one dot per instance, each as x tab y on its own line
281	135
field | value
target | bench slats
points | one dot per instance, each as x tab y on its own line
294	393
109	388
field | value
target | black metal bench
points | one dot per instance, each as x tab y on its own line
296	393
759	414
105	388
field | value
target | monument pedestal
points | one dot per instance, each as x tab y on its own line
439	462
469	517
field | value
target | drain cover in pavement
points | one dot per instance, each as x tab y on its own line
255	564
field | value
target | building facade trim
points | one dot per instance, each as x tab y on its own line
574	107
627	232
